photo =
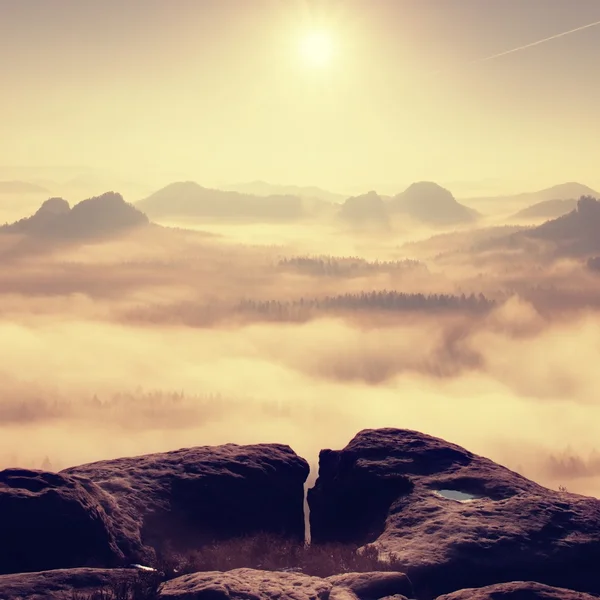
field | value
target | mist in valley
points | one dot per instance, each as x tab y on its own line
164	337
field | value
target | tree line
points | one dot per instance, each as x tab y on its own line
331	266
369	301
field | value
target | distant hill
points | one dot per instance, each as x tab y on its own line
574	234
99	216
431	203
580	226
459	241
564	191
21	187
262	188
547	209
367	210
187	199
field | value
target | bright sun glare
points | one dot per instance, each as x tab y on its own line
317	48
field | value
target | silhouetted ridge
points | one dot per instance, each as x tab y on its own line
99	216
547	209
574	234
264	188
189	200
568	191
577	232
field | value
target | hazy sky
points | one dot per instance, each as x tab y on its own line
217	90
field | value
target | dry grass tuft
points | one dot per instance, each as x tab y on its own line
264	551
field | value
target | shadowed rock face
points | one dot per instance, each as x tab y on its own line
50	521
61	584
517	590
350	501
195	495
384	488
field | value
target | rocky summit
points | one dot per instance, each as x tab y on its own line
194	495
447	521
451	518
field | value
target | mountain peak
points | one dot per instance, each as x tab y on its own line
426	186
54	206
98	216
429	201
366	208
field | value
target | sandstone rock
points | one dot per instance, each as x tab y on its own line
387	487
517	590
61	584
245	584
373	585
195	495
50	521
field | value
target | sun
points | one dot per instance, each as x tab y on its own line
317	48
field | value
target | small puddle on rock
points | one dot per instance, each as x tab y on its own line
456	495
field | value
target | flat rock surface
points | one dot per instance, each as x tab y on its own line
395	488
246	584
51	521
518	590
206	493
60	584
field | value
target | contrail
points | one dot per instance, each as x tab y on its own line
552	37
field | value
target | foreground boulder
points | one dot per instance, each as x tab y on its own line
191	496
349	586
51	521
453	519
244	584
518	590
64	584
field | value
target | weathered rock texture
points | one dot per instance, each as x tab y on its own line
61	584
191	496
370	585
51	521
518	590
382	488
245	584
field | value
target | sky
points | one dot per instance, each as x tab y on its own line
219	91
